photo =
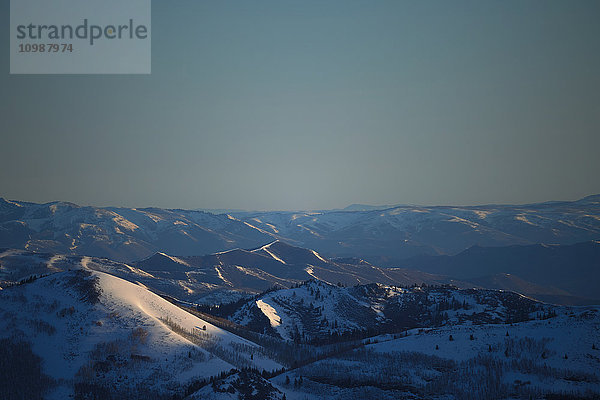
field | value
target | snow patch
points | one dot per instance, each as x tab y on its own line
270	312
318	256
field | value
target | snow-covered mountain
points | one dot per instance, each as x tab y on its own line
99	335
318	312
382	236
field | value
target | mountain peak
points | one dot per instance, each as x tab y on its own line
160	259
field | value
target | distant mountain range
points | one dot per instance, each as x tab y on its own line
387	236
383	236
123	234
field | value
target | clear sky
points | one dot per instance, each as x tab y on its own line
320	104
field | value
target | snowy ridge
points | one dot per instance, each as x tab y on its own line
93	324
315	311
265	248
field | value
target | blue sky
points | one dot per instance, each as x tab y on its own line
320	104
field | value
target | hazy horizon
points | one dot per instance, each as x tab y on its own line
277	105
209	209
